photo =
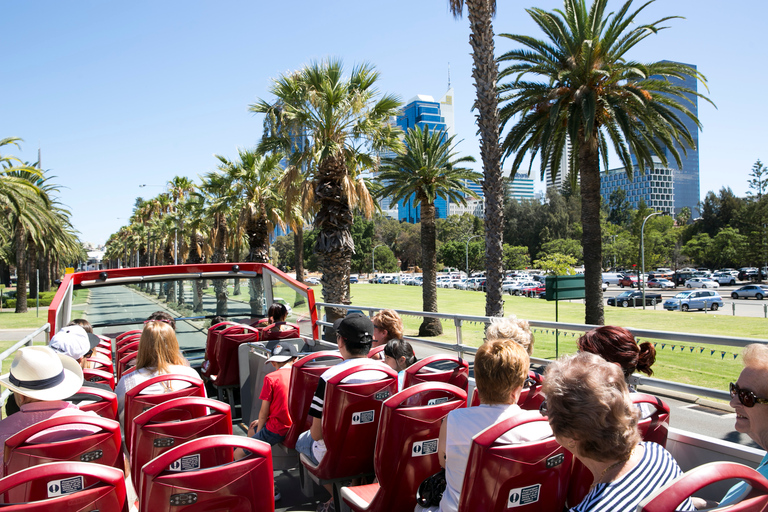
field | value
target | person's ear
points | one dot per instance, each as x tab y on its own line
401	362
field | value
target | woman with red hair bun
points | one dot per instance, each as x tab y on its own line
618	345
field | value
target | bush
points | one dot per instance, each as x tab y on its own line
31	303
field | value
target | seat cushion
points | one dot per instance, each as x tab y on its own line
359	496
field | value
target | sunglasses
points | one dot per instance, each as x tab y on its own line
747	398
543	408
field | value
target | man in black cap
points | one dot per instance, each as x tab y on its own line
354	336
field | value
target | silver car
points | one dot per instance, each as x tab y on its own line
701	282
694	299
757	291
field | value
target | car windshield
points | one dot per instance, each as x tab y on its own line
682	295
624	294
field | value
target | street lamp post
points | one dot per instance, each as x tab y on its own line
467	253
373	259
642	253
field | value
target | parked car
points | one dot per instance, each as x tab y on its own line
757	291
312	281
701	282
611	277
724	278
658	282
634	298
681	276
628	280
748	274
353	280
694	299
516	287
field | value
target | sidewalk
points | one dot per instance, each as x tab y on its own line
17	334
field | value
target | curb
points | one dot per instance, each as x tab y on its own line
687	397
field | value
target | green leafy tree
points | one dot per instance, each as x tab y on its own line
562	246
459	227
427	167
556	264
619	210
758	180
698	248
516	257
589	95
385	260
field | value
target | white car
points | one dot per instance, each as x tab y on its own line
701	282
312	281
724	278
514	288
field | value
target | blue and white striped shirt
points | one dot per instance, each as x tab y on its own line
655	469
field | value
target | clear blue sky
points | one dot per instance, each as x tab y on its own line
119	94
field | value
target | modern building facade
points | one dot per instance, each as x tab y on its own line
521	188
656	187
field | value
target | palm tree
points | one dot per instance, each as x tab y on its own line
338	114
485	71
427	168
217	190
591	95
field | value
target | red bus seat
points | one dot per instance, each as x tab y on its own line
305	374
101	447
244	485
136	403
65	486
99	376
98	363
133	338
102	402
654	429
226	353
671	495
210	366
181	421
274	331
132	346
526	476
531	397
375	351
126	362
406	446
457	376
127	333
107	352
351	415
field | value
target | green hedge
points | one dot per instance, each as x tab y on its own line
45	300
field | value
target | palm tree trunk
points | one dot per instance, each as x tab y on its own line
32	263
45	275
589	165
298	250
485	73
21	268
258	244
220	256
430	326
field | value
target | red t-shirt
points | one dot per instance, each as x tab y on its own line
275	390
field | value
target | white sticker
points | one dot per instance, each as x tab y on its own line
427	447
436	401
523	496
65	486
186	463
362	417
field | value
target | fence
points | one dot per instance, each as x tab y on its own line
25	342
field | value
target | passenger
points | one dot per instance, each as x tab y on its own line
276	315
398	355
618	345
749	397
158	354
501	367
162	316
387	325
591	414
41	381
511	328
354	336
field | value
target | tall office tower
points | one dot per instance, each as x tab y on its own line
656	187
562	177
687	182
521	188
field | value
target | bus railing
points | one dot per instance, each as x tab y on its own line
464	350
26	341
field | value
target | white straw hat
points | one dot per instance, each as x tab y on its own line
42	374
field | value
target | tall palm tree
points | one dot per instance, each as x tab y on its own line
485	72
427	168
338	114
591	95
217	190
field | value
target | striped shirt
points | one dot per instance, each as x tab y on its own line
655	469
318	400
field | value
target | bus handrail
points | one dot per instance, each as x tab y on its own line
25	341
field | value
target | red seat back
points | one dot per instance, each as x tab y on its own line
133	346
98	363
530	398
103	403
654	429
373	353
671	495
128	360
226	352
457	375
406	443
136	403
133	338
210	365
239	486
351	415
127	333
526	476
305	374
65	486
153	436
99	376
101	447
274	331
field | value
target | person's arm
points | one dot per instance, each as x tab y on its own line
441	442
316	430
316	412
263	415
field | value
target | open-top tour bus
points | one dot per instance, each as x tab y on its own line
199	296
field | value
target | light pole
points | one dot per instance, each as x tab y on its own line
373	259
467	253
642	253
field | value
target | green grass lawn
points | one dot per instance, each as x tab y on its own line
701	368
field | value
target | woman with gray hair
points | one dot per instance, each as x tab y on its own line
511	328
591	414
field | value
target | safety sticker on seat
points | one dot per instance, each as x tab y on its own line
65	486
381	395
362	417
186	463
187	498
523	496
436	401
427	447
91	456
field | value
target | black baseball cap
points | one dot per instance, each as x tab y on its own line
355	328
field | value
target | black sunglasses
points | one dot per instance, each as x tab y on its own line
747	398
543	408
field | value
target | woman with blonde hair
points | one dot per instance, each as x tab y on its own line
158	354
387	325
